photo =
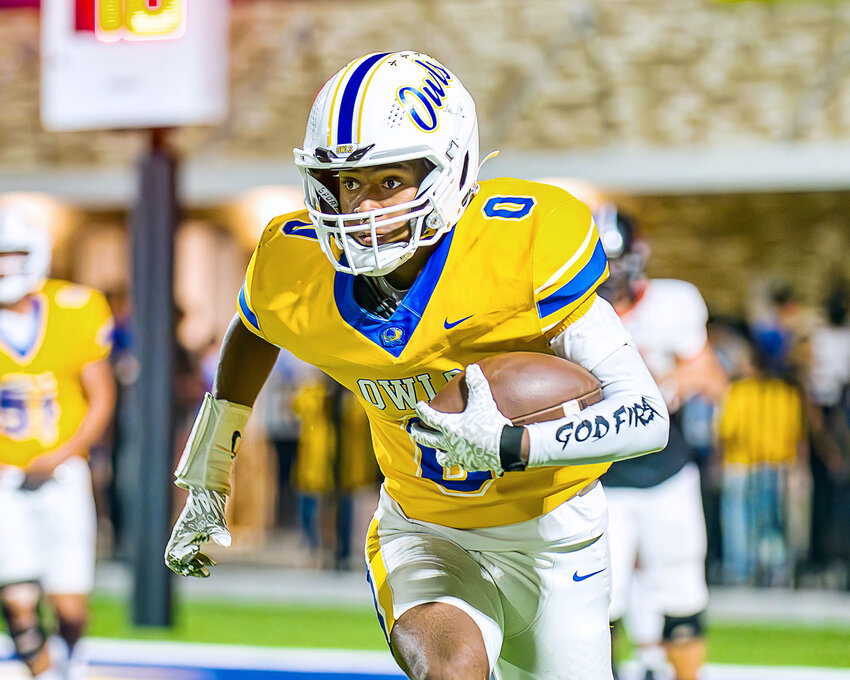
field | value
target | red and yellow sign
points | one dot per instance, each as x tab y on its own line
112	20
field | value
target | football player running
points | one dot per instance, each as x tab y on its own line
58	396
654	503
488	551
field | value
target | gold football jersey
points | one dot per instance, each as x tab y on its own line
41	399
521	264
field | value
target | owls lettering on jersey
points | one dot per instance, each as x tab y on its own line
521	264
41	399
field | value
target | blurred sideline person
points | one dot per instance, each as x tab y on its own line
334	461
326	468
827	381
656	523
488	551
761	436
282	424
313	480
57	396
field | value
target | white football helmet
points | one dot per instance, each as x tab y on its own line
25	267
389	107
626	249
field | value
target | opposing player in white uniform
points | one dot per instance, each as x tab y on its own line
655	505
56	399
488	550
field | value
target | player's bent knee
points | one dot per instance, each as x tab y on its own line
20	604
20	599
679	629
461	664
456	660
439	642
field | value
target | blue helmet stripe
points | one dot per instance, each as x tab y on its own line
345	125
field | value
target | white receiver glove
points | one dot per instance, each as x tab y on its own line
469	439
202	519
204	469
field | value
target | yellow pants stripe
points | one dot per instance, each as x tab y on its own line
378	580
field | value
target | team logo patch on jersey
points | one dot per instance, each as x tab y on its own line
392	336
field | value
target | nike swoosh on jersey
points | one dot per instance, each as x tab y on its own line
451	324
578	578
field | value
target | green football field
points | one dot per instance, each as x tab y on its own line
286	625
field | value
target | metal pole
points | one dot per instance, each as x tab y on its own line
153	224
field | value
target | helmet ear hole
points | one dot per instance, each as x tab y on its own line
464	171
329	198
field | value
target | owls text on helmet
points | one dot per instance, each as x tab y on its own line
25	250
383	108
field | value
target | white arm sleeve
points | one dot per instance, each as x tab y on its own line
631	420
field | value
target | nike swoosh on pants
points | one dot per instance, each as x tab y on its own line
578	578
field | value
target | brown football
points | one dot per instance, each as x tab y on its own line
528	387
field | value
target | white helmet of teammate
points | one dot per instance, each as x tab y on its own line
24	255
626	249
389	108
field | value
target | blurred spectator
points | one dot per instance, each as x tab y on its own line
57	395
761	435
357	476
827	383
283	426
115	483
189	385
780	328
729	336
334	459
188	389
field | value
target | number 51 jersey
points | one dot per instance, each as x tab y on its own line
521	264
42	401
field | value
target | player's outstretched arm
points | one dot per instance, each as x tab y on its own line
244	364
204	469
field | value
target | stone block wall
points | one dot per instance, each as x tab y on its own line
546	75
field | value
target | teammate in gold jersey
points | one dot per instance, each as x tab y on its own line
56	399
487	553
